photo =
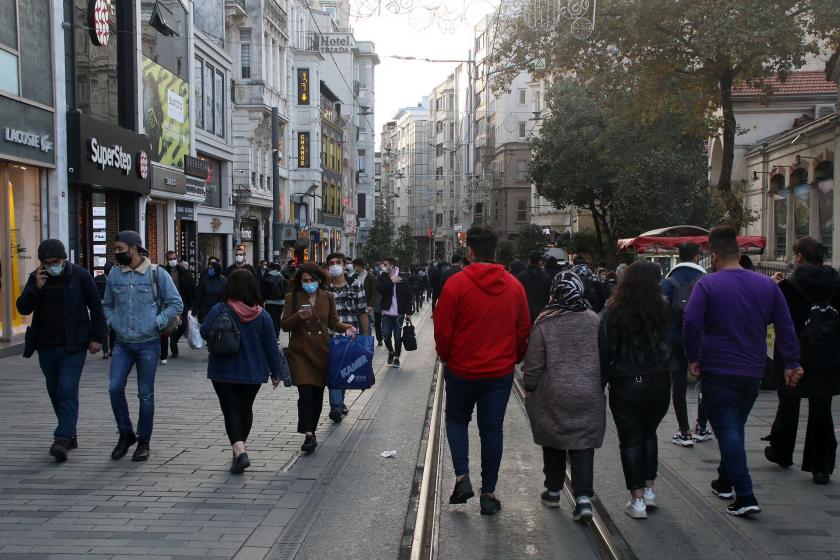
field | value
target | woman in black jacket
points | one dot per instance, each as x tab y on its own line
635	362
210	288
811	284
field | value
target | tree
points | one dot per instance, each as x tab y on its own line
583	242
405	248
529	239
380	243
631	176
680	57
505	252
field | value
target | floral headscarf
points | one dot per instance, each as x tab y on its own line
566	296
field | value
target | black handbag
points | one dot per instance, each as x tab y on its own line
409	338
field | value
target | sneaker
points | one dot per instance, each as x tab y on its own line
636	509
240	463
821	478
463	491
775	457
164	362
742	506
390	358
335	415
396	364
309	444
126	441
550	499
59	449
344	410
490	505
583	509
721	491
701	434
683	440
142	452
650	497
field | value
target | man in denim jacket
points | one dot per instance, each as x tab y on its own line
138	309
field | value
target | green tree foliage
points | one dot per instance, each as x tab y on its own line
530	238
380	243
630	175
505	252
584	242
678	58
405	248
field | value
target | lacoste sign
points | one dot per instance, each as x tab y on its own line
31	139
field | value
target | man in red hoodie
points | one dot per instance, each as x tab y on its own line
481	332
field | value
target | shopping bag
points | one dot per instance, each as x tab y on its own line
351	362
409	338
193	335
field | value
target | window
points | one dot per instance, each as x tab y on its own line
219	103
777	187
198	93
522	96
522	133
209	17
361	202
377	168
801	203
214	183
452	131
537	102
9	73
521	170
209	110
245	54
439	220
452	160
452	218
522	210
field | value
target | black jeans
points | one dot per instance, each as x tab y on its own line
171	341
237	402
377	325
638	406
275	312
679	385
582	463
820	441
310	404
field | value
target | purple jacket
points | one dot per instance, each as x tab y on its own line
726	323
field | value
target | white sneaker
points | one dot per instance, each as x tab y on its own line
650	497
702	435
636	509
164	362
682	440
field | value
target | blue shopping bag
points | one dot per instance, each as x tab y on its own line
351	362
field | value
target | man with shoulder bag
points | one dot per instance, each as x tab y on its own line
142	304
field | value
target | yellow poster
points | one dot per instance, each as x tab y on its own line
166	114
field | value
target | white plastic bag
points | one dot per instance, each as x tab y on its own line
193	336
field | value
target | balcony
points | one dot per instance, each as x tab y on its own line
235	9
275	12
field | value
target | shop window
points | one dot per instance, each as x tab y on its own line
213	197
824	175
777	186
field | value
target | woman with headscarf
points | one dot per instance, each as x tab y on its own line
565	404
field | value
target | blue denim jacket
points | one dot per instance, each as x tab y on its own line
129	303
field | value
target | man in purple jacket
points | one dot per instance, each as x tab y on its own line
725	334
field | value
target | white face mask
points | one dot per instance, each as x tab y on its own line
173	263
240	258
336	270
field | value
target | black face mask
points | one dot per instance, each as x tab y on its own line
123	258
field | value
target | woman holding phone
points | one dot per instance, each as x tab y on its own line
308	315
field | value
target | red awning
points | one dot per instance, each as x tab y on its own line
667	245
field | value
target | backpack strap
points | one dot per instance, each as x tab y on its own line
156	285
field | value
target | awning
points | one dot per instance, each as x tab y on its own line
669	245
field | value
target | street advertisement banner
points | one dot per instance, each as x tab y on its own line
166	114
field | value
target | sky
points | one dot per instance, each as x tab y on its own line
401	83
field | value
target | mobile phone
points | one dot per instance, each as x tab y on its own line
396	271
306	306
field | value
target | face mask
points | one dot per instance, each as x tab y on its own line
173	263
240	258
386	269
336	270
54	269
211	271
123	258
310	287
349	268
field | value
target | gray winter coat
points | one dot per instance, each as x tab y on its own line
562	374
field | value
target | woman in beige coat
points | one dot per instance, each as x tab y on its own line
565	404
309	315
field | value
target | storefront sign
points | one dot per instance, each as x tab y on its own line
196	167
99	21
168	180
196	187
303	86
187	243
303	150
302	239
335	43
246	232
26	132
100	153
184	210
458	227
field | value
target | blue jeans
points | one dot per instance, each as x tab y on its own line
392	329
62	372
728	400
145	356
490	396
336	398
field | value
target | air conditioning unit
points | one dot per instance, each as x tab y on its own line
823	110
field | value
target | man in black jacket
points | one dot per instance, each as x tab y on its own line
451	271
537	285
185	282
397	302
435	281
67	321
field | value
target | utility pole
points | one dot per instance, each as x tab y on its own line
276	226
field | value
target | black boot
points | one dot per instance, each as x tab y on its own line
142	451
59	449
126	441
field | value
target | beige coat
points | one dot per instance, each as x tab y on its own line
309	340
561	372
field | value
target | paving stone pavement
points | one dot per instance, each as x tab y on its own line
182	503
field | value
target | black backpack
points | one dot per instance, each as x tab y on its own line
273	287
224	336
820	336
681	295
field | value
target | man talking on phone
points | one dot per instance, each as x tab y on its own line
67	321
397	302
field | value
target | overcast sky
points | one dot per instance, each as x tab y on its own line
400	83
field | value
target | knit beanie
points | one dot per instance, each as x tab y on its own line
51	249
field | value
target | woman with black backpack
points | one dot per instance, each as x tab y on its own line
636	363
243	352
812	293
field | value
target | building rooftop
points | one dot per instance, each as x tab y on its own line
798	83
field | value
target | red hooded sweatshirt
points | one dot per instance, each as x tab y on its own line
482	322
